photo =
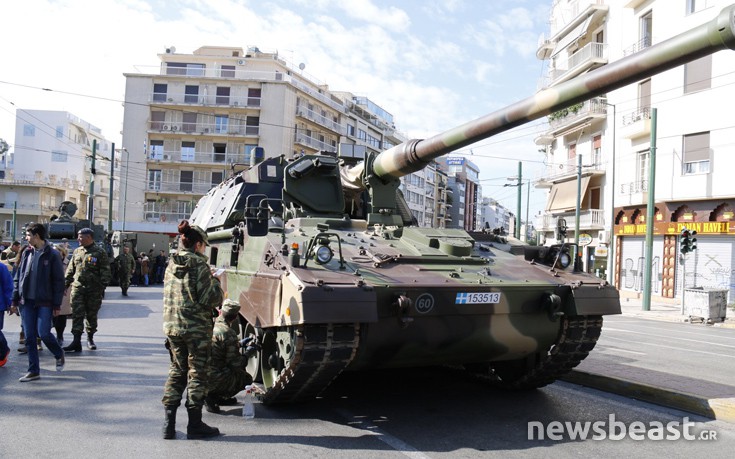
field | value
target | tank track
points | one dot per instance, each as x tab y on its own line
577	337
321	352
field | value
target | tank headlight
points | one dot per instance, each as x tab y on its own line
323	254
565	260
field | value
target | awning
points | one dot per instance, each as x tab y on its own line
563	196
573	35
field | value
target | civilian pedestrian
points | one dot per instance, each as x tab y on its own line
6	297
39	287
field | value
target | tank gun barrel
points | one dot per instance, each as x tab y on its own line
715	35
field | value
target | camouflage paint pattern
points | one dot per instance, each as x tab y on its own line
227	365
191	296
395	295
126	264
88	274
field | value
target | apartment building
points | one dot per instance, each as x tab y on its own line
191	122
612	133
464	199
52	163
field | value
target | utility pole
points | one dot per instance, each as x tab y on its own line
112	189
611	249
648	269
520	192
577	254
528	200
90	199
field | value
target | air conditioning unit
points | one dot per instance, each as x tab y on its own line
236	103
170	99
166	127
167	157
241	62
174	128
603	236
205	130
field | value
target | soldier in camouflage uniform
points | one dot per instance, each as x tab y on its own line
88	274
191	296
126	265
227	366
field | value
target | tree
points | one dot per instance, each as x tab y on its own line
3	146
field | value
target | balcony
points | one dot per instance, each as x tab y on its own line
311	142
317	118
558	172
573	118
213	129
198	157
589	57
162	212
208	100
641	44
636	124
178	187
634	192
589	219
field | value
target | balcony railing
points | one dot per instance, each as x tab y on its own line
204	128
178	187
199	157
640	186
206	100
588	219
636	116
311	142
590	56
636	124
321	120
592	108
557	171
641	44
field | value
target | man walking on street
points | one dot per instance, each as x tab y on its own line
88	274
126	265
39	287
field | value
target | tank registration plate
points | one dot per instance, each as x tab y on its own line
478	298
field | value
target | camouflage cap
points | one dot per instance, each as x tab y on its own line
230	308
202	233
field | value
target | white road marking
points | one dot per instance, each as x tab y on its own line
365	424
709	343
671	347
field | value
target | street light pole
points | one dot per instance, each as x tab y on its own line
611	250
125	192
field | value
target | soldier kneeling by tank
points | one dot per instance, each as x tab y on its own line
227	375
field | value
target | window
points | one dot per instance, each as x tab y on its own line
59	132
572	151
223	96
221	122
252	124
29	130
220	152
157	119
190	122
696	5
248	151
642	166
181	68
350	130
227	71
192	94
698	74
59	156
217	178
154	179
696	155
187	178
159	92
157	149
254	97
187	151
597	149
646	30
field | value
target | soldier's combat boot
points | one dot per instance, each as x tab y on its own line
210	404
169	423
76	344
196	428
90	342
125	292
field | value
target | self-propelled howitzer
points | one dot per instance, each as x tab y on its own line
331	275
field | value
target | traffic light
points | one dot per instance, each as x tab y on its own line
687	243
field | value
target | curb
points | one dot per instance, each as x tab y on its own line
721	409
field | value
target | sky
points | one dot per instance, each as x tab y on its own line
432	64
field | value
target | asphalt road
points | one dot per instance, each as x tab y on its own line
107	404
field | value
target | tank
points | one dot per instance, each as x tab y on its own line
64	228
332	276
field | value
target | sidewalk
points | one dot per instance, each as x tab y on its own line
644	376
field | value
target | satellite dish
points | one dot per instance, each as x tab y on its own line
302	66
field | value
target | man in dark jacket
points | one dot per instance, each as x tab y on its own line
39	286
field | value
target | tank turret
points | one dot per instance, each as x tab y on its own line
332	275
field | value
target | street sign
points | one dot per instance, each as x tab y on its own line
584	239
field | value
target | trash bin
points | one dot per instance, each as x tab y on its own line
707	304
